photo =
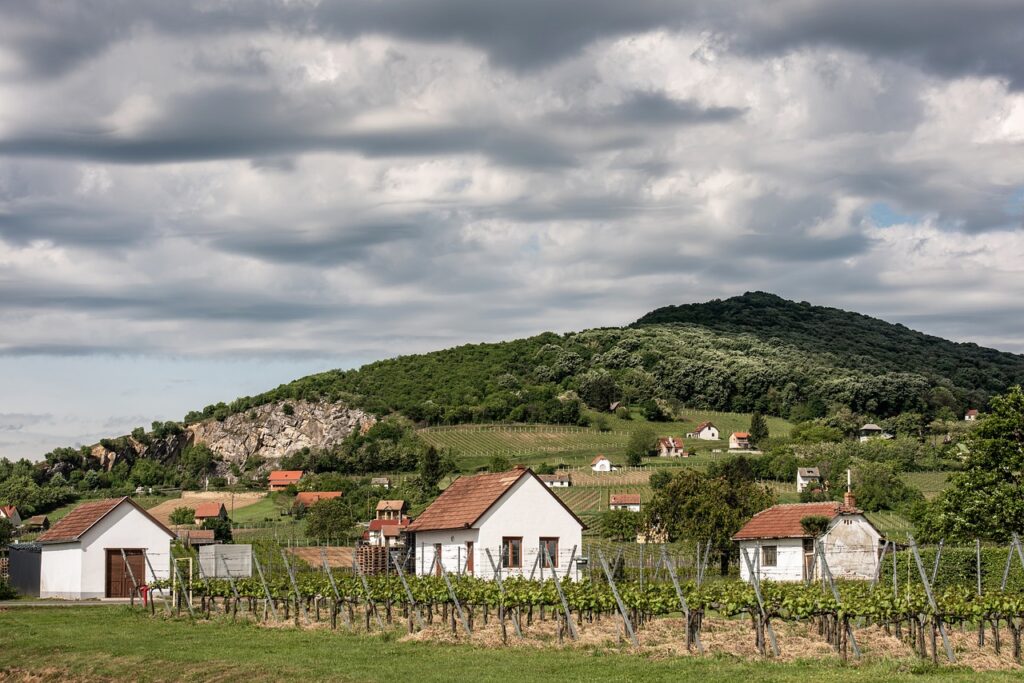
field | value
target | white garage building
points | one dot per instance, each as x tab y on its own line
511	514
82	553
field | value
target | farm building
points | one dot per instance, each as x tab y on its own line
782	550
807	477
706	431
381	482
195	538
971	415
310	498
279	480
205	511
624	501
387	532
391	509
601	464
672	447
562	480
872	431
84	554
739	441
9	512
507	517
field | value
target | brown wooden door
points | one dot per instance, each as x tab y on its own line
437	559
469	557
119	580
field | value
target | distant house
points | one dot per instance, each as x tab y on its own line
971	415
870	431
309	498
279	480
615	405
561	480
781	550
391	509
601	464
387	532
194	538
706	431
672	447
381	482
624	501
739	441
9	512
205	511
807	477
96	549
36	523
509	517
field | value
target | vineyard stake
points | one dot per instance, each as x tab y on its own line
977	559
561	595
878	568
181	582
618	600
938	556
501	592
827	576
266	589
683	603
755	580
451	592
334	587
131	575
931	598
295	585
408	591
152	571
366	591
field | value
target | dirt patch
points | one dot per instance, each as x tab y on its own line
191	499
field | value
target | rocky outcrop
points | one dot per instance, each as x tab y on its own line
275	430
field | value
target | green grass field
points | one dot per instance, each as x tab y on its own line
115	643
931	484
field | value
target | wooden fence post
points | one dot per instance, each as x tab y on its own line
618	600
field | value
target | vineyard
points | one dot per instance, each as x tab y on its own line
521	440
956	623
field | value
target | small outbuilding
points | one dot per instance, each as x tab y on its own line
739	441
96	550
381	482
10	513
624	501
971	415
560	480
706	431
601	464
205	511
807	477
279	480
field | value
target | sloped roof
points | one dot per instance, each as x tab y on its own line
741	435
308	498
391	505
702	426
378	524
972	411
467	499
870	427
560	476
624	499
284	476
8	511
208	509
597	459
783	521
85	516
806	472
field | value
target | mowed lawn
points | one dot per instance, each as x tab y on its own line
115	643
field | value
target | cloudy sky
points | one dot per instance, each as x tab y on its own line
205	199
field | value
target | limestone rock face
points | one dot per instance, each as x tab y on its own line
270	432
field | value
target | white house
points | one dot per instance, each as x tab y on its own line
672	447
624	501
601	464
82	553
807	476
971	415
781	550
561	480
739	441
706	431
510	515
9	512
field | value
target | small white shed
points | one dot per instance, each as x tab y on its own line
601	464
706	431
83	555
509	517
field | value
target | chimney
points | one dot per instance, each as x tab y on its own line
848	500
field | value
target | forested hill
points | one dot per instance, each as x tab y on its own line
853	340
754	352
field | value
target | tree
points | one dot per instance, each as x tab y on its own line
653	412
815	525
659	479
499	463
620	525
432	468
758	428
221	528
598	389
182	515
641	442
702	508
329	518
986	500
6	531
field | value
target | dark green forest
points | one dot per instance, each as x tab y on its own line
755	352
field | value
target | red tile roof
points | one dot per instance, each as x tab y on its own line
624	499
8	510
972	411
783	521
741	435
284	476
391	505
598	459
378	524
85	516
308	498
204	510
703	425
467	499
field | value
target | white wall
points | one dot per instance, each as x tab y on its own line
529	510
851	547
789	559
77	571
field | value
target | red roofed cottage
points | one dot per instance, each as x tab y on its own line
780	549
281	479
82	553
512	515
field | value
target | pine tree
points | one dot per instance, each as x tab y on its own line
758	428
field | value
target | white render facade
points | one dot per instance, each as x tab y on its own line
527	511
76	570
601	465
851	544
708	433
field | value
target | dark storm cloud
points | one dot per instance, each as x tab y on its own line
77	224
648	108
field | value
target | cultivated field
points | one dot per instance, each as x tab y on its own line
931	484
191	499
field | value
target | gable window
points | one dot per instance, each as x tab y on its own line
512	552
550	545
769	555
